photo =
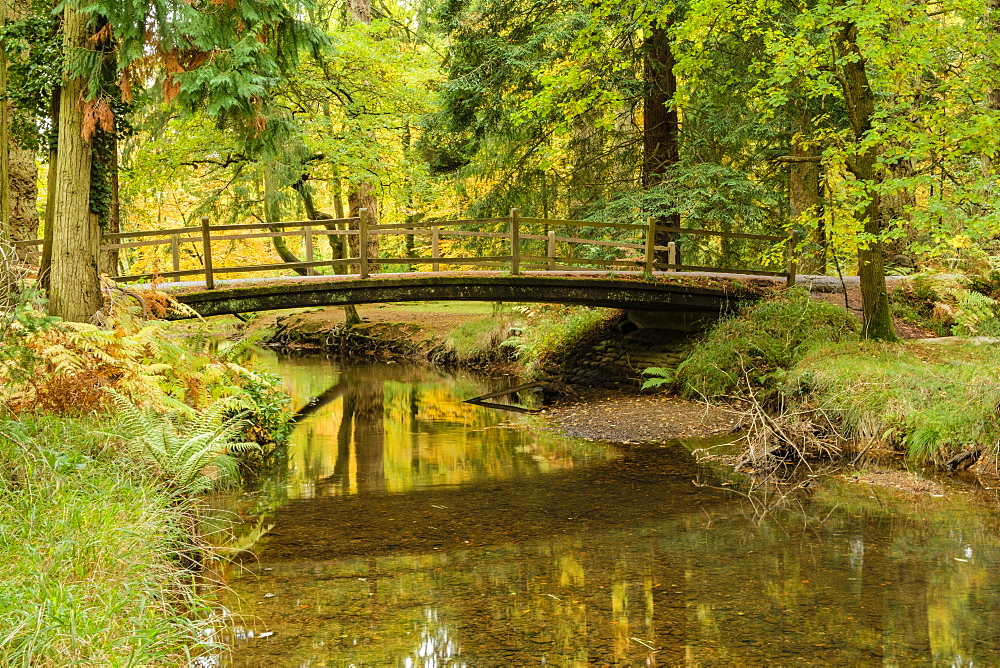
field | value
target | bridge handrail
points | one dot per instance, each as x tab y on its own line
358	226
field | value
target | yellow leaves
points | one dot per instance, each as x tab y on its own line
960	241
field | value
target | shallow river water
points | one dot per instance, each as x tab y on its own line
412	529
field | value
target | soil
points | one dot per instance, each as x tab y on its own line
638	418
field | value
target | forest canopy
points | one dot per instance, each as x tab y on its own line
870	128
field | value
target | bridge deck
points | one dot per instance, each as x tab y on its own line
679	292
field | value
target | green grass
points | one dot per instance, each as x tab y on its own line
934	400
757	347
546	332
86	553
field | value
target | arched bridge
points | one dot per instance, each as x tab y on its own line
630	293
512	259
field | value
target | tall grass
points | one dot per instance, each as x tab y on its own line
86	553
933	400
758	346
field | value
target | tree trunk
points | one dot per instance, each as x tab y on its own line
804	195
362	195
860	103
5	139
112	221
661	125
993	91
23	195
45	266
75	290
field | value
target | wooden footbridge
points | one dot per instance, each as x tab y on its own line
512	259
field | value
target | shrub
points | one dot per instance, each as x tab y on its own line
757	346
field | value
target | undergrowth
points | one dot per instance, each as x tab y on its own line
107	435
545	332
932	401
89	553
758	346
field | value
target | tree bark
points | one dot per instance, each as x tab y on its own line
661	124
362	194
804	193
112	222
5	139
993	91
45	266
860	102
75	292
23	194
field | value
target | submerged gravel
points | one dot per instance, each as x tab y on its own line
636	418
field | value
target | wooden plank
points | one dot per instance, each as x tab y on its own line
714	233
474	233
792	253
717	270
206	253
279	266
591	242
435	246
438	223
650	243
307	240
443	260
151	233
283	224
578	260
550	247
175	251
584	223
27	242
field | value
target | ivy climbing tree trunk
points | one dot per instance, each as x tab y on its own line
661	125
804	192
75	291
5	190
860	102
993	87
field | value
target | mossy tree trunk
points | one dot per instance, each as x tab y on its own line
75	291
860	102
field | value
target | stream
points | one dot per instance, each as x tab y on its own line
411	529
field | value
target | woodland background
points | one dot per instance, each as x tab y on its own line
870	126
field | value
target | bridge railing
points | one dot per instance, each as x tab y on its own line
510	234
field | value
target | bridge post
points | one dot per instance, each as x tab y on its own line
650	244
672	254
435	247
363	243
206	253
552	250
307	241
175	251
792	256
515	243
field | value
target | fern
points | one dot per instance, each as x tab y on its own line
190	458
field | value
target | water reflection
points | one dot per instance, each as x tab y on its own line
395	428
484	554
